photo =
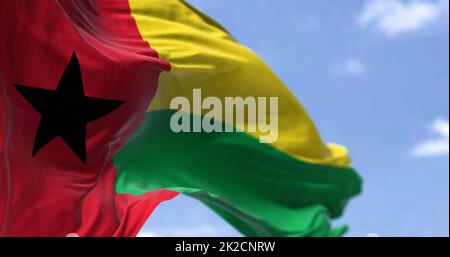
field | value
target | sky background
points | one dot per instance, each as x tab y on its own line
373	74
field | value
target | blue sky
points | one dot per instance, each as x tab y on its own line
373	74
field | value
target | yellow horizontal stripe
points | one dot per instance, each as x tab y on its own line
205	56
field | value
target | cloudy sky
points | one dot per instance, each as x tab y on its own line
374	76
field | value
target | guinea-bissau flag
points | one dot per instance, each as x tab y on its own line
85	141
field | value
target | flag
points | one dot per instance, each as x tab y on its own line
86	143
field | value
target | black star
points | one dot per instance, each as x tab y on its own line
66	111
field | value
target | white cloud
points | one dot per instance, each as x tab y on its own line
147	234
351	67
393	17
441	127
436	146
354	67
200	231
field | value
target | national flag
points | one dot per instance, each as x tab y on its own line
85	140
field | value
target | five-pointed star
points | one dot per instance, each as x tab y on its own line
66	111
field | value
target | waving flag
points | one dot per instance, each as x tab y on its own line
85	140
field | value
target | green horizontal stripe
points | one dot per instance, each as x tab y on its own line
257	188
